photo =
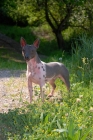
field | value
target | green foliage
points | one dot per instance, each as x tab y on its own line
82	59
21	12
16	32
33	12
61	15
30	34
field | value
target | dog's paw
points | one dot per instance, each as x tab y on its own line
50	95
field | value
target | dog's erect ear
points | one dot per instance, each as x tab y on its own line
36	43
22	42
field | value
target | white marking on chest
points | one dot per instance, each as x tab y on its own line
38	72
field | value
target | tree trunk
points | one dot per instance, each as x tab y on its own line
60	40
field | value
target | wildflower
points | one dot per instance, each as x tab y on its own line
82	110
78	100
90	117
66	114
80	96
91	109
61	104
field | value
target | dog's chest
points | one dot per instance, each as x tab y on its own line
38	73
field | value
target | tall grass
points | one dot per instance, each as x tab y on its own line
82	59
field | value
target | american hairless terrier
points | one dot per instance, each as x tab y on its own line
40	72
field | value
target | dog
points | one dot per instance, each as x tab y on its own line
39	72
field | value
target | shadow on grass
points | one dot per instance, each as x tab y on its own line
10	59
31	119
17	123
9	53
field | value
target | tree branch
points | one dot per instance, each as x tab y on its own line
47	17
80	26
62	25
53	18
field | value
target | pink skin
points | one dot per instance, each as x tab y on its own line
35	75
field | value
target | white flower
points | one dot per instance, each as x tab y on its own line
78	100
80	96
66	114
61	104
91	109
82	110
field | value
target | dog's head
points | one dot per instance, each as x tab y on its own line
29	51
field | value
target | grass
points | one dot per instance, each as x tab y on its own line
9	59
70	118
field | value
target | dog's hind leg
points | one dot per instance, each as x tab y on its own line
53	87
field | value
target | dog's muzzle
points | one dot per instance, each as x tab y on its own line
26	58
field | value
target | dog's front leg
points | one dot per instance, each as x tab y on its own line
42	94
30	89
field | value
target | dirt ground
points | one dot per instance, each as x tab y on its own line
13	89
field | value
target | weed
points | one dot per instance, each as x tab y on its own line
82	60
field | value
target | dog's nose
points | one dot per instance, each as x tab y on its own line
26	57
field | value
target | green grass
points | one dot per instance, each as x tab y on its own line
68	119
71	119
9	59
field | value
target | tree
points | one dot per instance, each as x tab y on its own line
61	14
89	13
